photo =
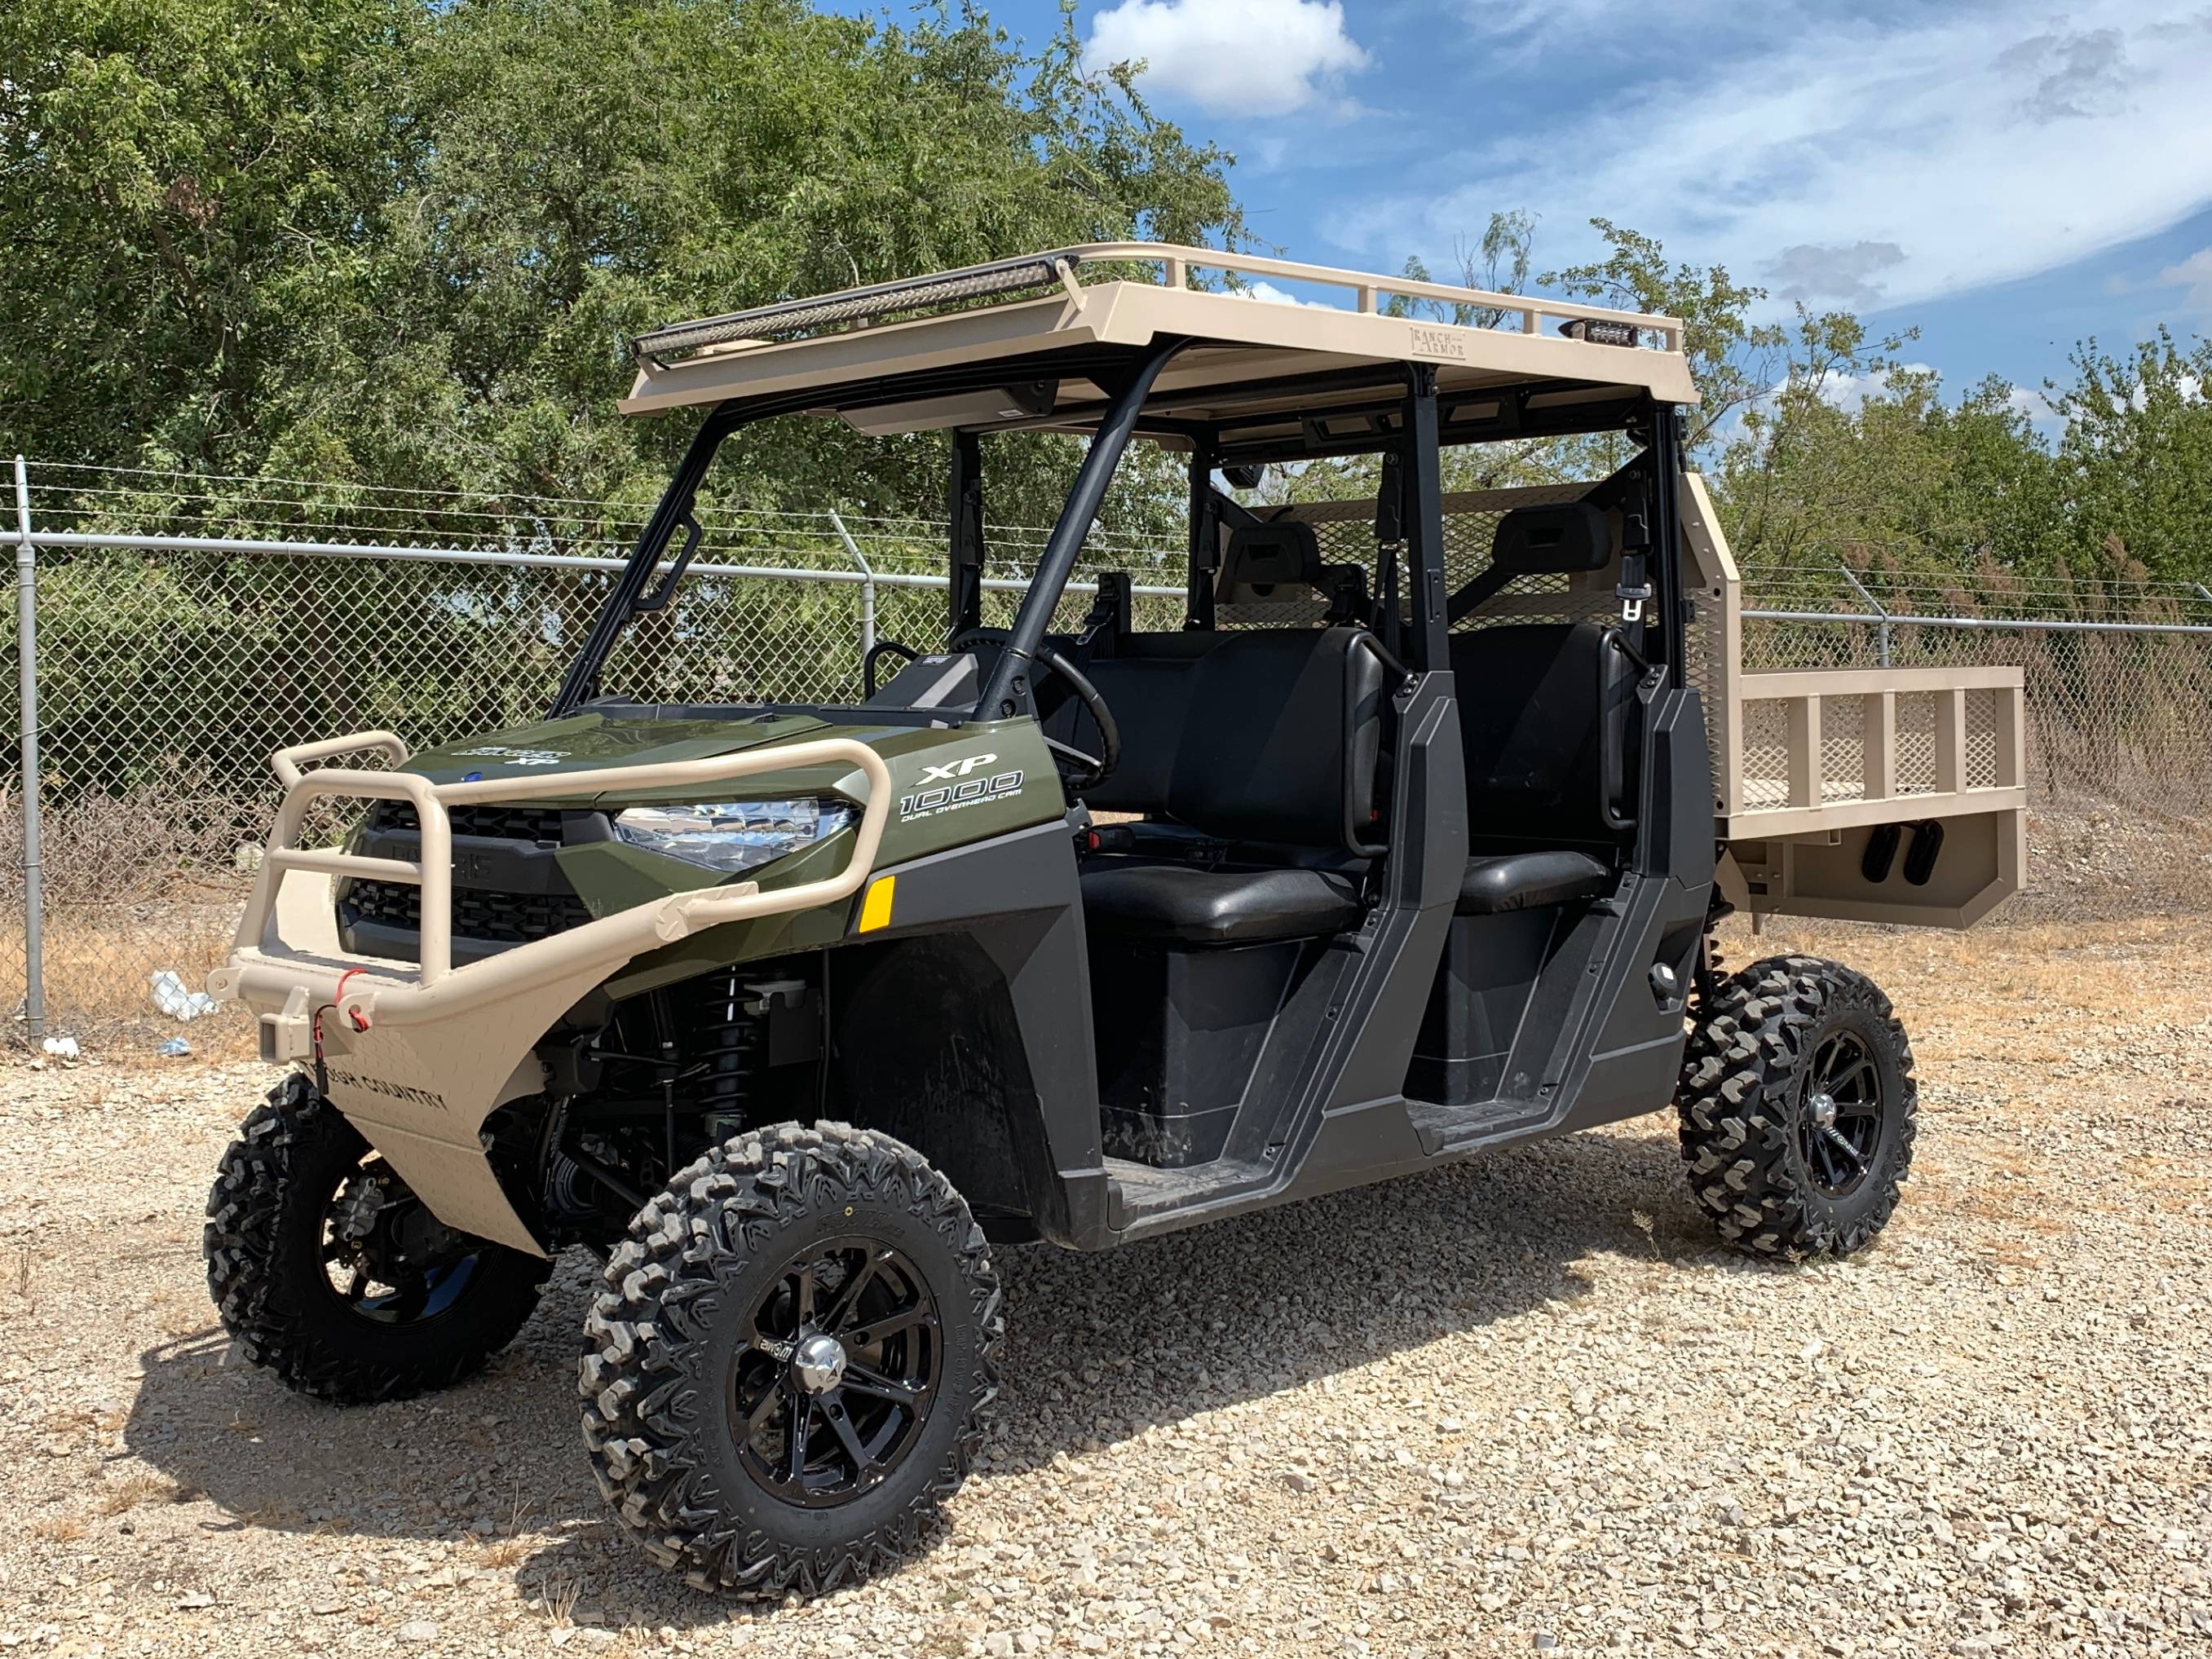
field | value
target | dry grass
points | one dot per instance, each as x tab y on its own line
99	963
2072	977
516	1547
136	1490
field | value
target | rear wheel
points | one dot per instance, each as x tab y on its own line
787	1365
1798	1109
331	1272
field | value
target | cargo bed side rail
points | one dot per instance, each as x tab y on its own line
1833	749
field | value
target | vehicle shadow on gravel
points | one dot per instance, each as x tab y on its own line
1100	1348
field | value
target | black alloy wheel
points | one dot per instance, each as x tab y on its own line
328	1270
834	1387
1839	1125
1798	1109
790	1360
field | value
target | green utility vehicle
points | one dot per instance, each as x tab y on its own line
1402	842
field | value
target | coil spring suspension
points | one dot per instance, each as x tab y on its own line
1711	970
727	1038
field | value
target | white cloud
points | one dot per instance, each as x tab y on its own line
1849	391
1231	56
2033	404
1268	293
2194	274
1841	157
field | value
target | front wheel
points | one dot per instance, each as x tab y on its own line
1798	1109
329	1271
786	1367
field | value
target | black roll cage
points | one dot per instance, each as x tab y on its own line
1408	418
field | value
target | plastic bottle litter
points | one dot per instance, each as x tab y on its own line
175	1049
61	1047
172	997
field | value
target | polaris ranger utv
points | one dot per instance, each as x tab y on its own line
1402	840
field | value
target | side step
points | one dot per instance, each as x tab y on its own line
1135	1190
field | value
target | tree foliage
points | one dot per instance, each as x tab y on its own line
401	241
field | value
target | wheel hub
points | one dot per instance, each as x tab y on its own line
1839	1128
818	1366
838	1372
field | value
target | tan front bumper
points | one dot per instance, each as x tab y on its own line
418	1057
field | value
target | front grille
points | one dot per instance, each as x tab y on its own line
490	823
495	918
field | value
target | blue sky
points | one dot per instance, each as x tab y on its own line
2009	177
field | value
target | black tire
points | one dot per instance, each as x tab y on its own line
699	1289
1783	1162
276	1189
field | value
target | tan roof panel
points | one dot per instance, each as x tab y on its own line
1247	341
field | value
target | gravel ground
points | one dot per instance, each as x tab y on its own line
1514	1406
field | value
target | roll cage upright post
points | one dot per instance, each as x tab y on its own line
964	599
1204	539
1664	494
1007	691
582	680
1425	521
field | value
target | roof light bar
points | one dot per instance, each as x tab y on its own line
1597	330
853	305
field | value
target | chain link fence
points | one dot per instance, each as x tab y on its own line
186	626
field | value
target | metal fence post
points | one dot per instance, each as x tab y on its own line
868	585
1881	632
27	674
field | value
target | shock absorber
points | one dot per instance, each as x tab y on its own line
1711	970
727	1037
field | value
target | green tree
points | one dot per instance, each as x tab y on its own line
401	241
2136	456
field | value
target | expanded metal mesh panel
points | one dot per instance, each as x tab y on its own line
1981	756
1470	531
1345	533
1843	750
1766	753
1916	715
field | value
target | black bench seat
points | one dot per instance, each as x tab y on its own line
1522	881
1138	898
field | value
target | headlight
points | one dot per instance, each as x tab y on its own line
735	836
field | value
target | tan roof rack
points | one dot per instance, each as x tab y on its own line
1031	309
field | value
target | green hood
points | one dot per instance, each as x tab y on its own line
922	821
589	743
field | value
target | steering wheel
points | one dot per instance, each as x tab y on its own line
1082	770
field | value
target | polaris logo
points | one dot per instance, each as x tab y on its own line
516	757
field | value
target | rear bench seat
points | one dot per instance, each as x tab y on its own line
1533	700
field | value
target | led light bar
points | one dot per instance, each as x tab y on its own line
795	316
1599	331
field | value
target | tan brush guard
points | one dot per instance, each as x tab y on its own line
419	1057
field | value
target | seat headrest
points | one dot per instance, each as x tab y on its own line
1535	541
1263	559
